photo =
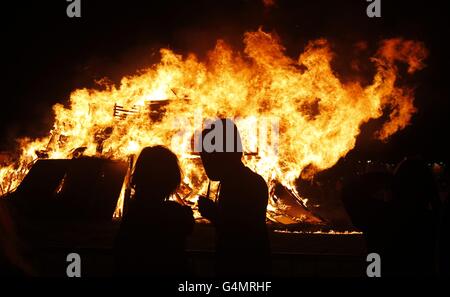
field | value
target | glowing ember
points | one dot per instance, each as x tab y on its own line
317	116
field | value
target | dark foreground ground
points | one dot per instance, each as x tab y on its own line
294	254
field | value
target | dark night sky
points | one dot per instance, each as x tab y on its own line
46	55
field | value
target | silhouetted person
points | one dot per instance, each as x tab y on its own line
152	235
398	217
365	198
239	214
413	217
12	260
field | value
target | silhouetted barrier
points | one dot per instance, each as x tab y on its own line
85	188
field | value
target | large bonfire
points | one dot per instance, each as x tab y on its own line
292	114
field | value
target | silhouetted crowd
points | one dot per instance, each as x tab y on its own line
239	215
402	215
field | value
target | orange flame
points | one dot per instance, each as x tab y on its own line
318	117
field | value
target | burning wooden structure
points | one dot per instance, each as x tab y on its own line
296	116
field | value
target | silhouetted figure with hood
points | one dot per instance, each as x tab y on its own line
366	199
413	215
398	216
239	214
152	235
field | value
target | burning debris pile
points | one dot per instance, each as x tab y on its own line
292	114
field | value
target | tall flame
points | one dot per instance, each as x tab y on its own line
318	117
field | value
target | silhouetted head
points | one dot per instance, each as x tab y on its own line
156	173
220	148
365	197
414	185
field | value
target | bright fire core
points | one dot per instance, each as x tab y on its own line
317	116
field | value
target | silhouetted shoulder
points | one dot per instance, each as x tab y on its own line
178	208
180	213
256	181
